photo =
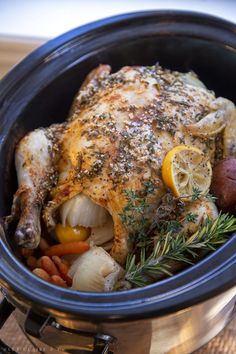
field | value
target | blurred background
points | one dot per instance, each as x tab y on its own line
26	24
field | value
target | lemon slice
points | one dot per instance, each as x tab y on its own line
186	168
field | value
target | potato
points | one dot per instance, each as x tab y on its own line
223	185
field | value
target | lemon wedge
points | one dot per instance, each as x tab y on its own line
185	169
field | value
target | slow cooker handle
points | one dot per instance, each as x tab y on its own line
6	309
36	325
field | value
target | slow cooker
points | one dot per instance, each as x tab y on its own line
176	315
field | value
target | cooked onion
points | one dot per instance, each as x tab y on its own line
103	234
95	270
80	210
108	245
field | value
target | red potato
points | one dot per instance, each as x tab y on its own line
223	185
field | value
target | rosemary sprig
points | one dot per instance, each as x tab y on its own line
180	248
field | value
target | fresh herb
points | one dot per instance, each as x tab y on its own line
191	217
181	140
179	248
168	226
196	195
149	187
134	214
167	123
211	197
198	117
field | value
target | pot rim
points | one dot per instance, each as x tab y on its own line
209	277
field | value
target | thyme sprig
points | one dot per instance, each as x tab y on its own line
134	214
211	197
191	217
197	195
179	248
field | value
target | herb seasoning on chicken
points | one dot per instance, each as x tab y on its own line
98	178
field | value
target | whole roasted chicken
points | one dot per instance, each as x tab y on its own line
120	128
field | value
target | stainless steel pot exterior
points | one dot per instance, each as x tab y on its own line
179	333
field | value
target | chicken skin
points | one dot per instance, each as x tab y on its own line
120	128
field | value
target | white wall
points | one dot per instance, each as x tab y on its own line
25	24
49	18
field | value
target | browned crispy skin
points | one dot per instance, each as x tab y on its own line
92	78
118	133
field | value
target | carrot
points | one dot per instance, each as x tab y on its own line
32	262
65	261
62	249
26	252
63	268
48	265
42	274
57	280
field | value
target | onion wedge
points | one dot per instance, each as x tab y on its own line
81	211
96	271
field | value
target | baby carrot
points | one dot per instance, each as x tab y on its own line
32	262
57	280
42	274
48	265
62	249
63	267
